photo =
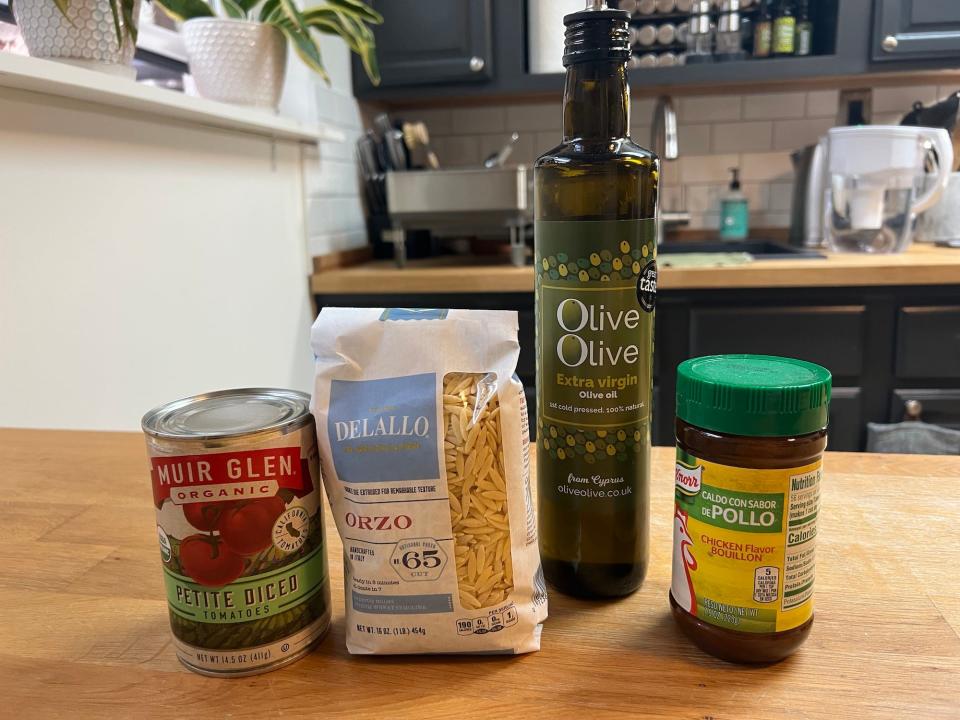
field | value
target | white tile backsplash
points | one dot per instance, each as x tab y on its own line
774	106
480	119
457	150
706	168
694	139
710	108
743	136
795	134
766	167
541	116
756	133
901	99
822	103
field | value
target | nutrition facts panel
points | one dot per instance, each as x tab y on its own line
799	563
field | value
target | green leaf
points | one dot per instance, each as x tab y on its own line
268	8
63	6
129	21
233	10
305	47
330	24
359	9
181	10
247	6
293	14
115	12
366	46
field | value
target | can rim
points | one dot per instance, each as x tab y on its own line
298	401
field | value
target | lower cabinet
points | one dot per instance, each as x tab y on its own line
847	426
937	407
884	346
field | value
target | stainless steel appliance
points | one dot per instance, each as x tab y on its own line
462	201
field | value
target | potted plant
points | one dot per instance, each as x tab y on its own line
100	34
240	56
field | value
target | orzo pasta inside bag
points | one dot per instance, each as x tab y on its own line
423	437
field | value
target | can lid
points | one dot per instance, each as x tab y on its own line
227	413
758	395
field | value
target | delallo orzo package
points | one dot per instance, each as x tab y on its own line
423	437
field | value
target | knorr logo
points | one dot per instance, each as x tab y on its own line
688	479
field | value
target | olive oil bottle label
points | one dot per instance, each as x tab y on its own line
744	544
596	291
784	36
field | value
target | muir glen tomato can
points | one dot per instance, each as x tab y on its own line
239	502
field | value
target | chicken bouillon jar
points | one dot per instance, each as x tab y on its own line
751	430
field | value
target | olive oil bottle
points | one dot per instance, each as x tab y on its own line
596	277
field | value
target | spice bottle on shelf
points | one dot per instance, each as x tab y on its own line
763	32
729	42
804	41
646	7
666	6
666	34
751	430
785	29
699	35
646	35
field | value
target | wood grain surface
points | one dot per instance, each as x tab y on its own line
84	628
921	265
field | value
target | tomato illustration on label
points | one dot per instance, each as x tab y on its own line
207	560
205	516
247	527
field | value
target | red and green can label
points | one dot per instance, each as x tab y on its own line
242	543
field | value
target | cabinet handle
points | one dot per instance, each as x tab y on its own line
889	43
477	64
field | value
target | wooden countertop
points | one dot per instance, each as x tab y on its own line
84	622
921	265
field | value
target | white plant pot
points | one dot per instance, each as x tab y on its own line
236	61
88	38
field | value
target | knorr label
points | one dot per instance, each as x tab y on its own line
744	544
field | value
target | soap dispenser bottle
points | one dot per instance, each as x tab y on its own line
734	211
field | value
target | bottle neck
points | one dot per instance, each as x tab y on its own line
596	101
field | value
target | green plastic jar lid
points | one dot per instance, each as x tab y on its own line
754	395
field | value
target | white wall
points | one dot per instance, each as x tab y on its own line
334	213
142	261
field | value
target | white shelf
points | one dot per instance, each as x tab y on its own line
60	80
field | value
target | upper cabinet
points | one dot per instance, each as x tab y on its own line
916	29
448	50
425	42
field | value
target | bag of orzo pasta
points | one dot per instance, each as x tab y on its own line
423	437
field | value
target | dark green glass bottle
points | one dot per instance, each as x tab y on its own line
596	204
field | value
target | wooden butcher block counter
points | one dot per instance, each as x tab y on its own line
83	618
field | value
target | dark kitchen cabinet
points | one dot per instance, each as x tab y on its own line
916	30
937	406
884	345
928	342
427	50
424	42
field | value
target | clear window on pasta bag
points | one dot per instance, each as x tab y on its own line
479	518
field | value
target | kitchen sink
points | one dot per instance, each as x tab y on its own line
758	249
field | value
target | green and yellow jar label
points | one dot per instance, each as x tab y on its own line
744	544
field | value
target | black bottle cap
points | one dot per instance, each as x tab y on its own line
599	35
